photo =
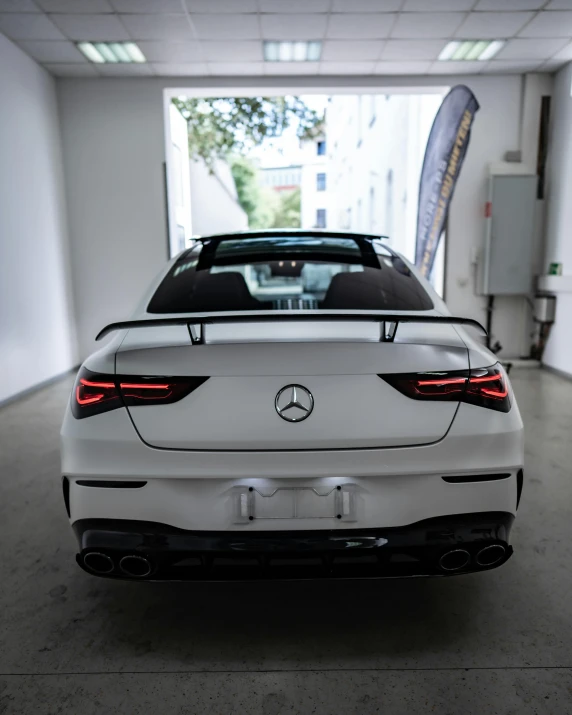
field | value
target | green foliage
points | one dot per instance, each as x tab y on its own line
288	213
233	125
264	207
256	200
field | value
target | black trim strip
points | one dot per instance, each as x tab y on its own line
292	316
66	490
519	485
110	484
466	479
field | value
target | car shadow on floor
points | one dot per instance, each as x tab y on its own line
217	625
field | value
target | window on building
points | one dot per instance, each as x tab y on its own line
321	181
321	147
389	204
371	109
371	226
321	218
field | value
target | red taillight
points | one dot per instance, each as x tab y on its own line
151	391
94	393
485	387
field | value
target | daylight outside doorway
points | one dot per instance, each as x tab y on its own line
344	162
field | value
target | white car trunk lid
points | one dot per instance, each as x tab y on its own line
235	408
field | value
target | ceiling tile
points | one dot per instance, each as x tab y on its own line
391	68
488	25
362	26
549	24
236	68
565	54
500	67
335	68
75	6
147	6
412	49
179	69
227	27
52	51
530	49
427	24
494	5
172	52
290	27
125	70
298	6
456	67
291	68
219	6
72	70
91	27
28	26
18	6
338	50
247	51
366	5
437	5
552	66
157	27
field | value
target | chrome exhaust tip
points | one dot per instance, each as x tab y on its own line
98	562
490	555
454	560
135	566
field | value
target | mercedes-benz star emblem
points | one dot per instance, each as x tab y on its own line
294	403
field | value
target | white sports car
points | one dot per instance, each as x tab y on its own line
289	404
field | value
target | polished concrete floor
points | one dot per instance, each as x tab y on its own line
498	642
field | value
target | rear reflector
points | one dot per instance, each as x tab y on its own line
94	393
469	478
484	387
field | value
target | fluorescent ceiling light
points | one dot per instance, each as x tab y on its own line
469	50
90	52
292	51
494	47
111	52
448	50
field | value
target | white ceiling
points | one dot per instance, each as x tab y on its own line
224	37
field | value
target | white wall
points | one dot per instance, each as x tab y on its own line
214	202
36	335
558	353
113	152
114	149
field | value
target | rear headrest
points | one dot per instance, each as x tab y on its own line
221	291
354	291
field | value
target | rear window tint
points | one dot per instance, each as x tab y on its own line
289	272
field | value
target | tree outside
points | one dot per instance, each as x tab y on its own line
230	128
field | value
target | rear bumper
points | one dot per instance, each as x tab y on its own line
444	545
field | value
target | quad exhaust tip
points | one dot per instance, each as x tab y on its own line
135	566
98	562
490	555
454	560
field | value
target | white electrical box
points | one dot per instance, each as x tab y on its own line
507	261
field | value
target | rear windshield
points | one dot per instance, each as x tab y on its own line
289	273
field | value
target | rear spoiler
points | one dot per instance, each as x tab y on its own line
388	322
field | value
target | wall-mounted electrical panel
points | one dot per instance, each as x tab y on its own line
507	258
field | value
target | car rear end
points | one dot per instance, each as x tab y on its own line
291	448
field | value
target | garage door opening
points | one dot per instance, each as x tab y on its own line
338	161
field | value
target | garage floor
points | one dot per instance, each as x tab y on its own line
498	642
